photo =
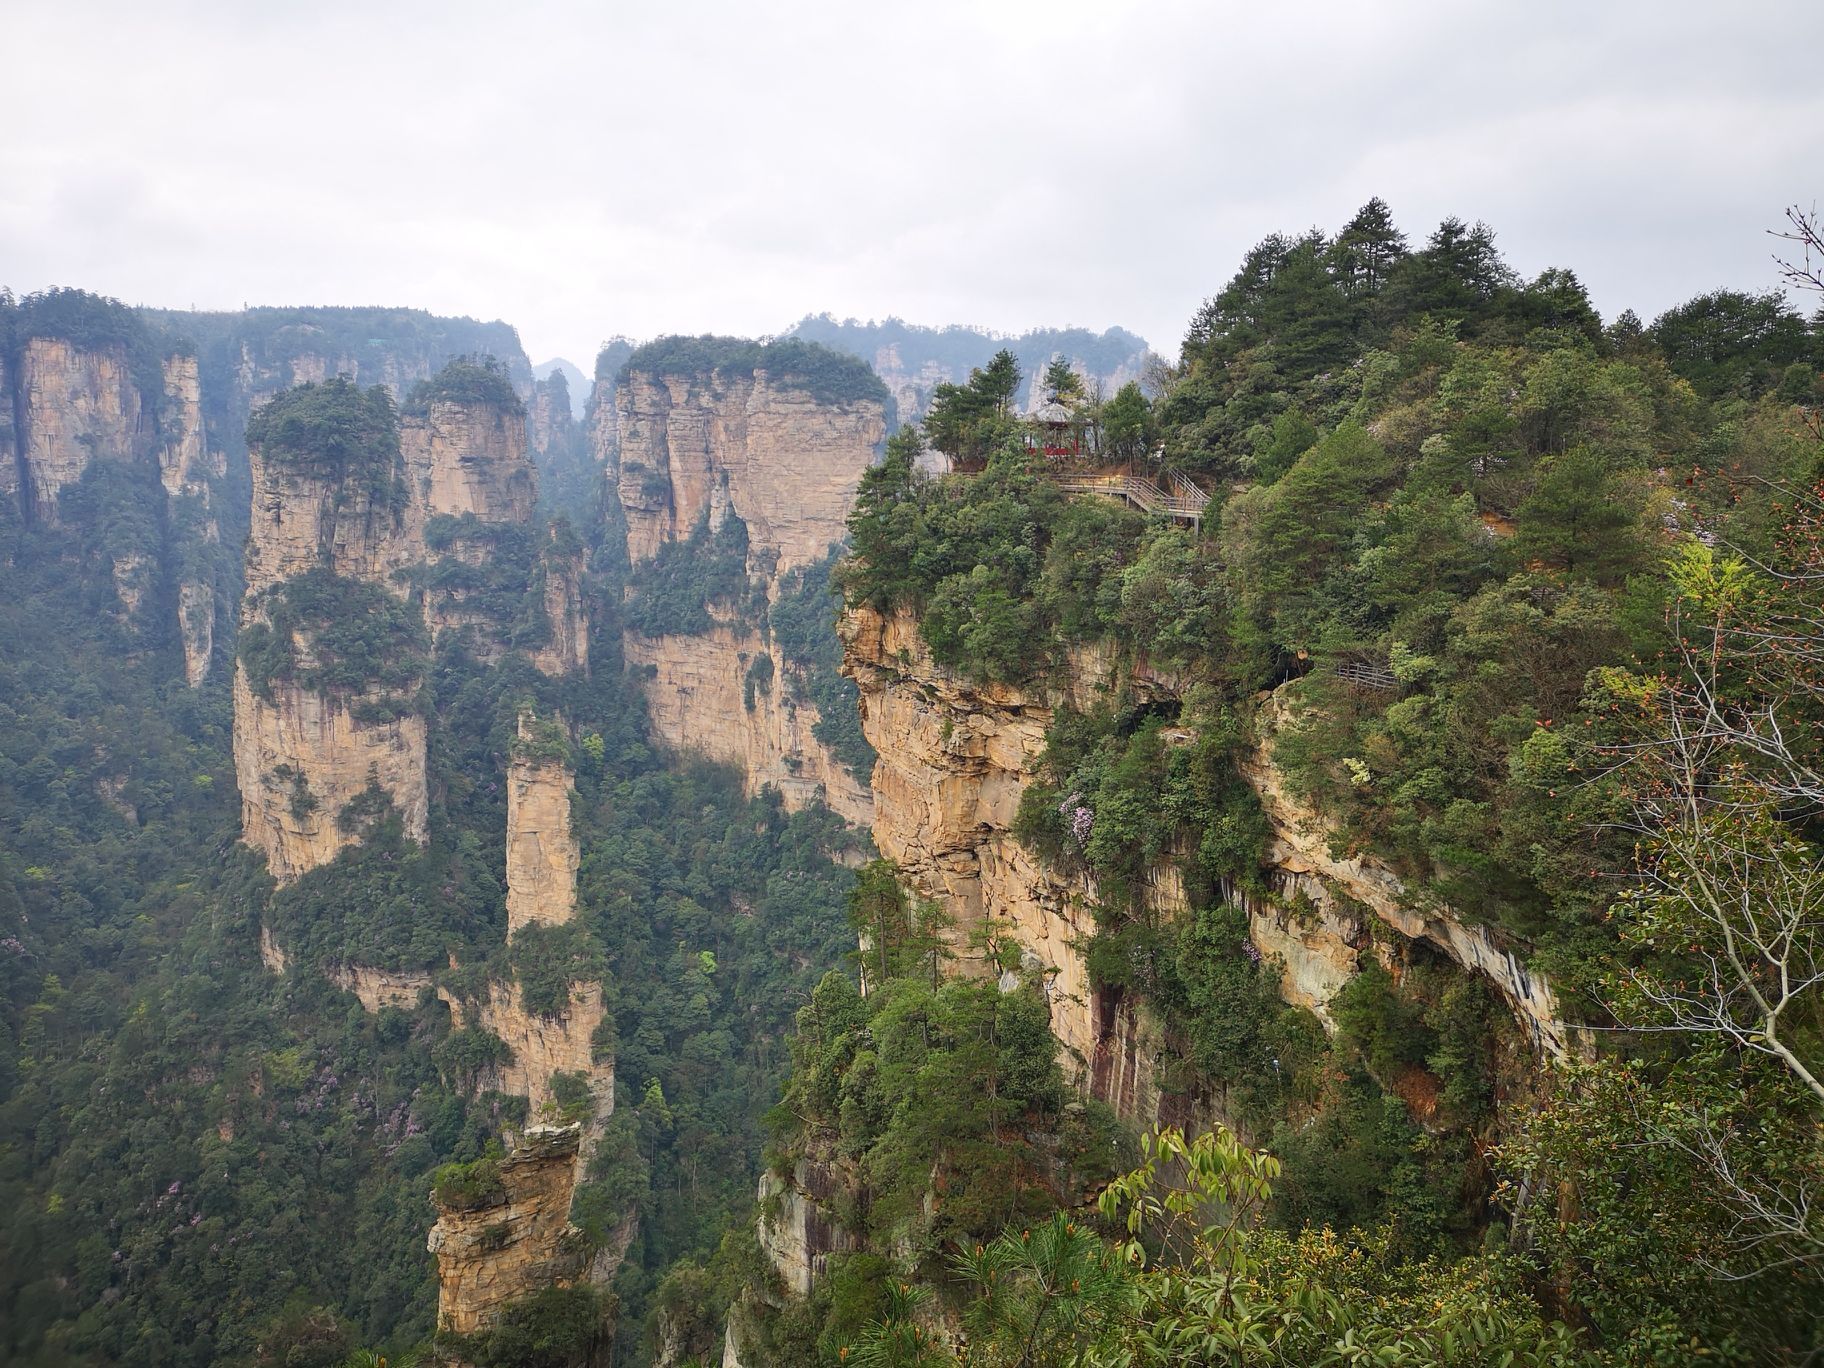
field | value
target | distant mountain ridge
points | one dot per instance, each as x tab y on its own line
913	359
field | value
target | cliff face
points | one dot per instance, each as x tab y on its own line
470	458
512	1245
301	756
954	758
463	461
542	1045
9	437
696	446
702	447
542	857
503	1249
77	406
700	699
190	471
566	650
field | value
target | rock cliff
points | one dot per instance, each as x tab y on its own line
700	698
448	525
542	856
513	1241
77	406
693	447
300	757
954	758
191	472
698	448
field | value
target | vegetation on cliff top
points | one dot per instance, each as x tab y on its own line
830	377
335	429
469	380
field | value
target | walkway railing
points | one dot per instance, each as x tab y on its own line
1185	502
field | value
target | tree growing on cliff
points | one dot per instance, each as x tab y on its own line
968	421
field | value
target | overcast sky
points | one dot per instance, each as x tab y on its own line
582	170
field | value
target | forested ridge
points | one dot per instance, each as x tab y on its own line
1521	602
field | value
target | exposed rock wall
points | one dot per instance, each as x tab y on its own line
698	697
954	758
542	856
76	406
542	1045
799	1235
9	438
190	471
375	988
491	1254
1300	853
788	464
690	448
470	458
566	650
300	757
463	460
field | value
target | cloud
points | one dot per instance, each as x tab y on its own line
583	170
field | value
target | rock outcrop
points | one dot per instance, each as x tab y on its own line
429	529
77	406
541	1045
470	458
701	698
301	757
507	1244
1301	856
542	857
699	448
798	1233
694	447
954	759
566	649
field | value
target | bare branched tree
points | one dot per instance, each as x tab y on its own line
1805	228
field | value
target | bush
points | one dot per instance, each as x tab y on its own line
469	380
470	1186
828	376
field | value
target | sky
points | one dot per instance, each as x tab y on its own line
590	169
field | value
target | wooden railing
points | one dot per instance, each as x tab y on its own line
1185	502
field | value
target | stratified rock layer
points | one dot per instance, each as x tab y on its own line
495	1253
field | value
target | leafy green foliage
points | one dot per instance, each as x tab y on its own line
336	429
470	1186
827	376
360	640
469	380
675	592
557	1327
